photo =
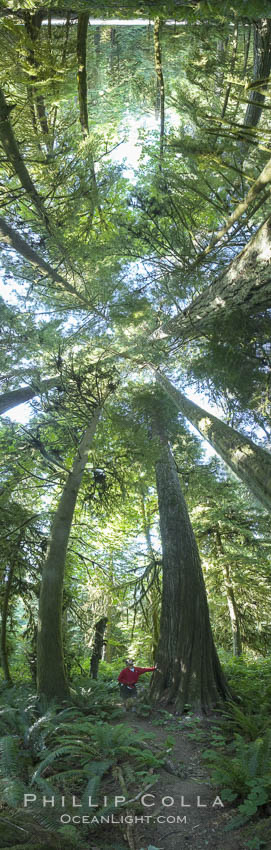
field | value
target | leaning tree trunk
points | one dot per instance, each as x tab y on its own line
15	158
249	462
11	237
97	651
50	663
22	394
186	656
245	288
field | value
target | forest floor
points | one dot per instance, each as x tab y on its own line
184	791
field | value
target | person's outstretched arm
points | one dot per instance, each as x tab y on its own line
141	670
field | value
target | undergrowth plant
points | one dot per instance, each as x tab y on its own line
240	756
244	775
51	751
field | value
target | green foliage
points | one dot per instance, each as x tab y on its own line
244	774
250	680
61	751
261	835
250	725
239	758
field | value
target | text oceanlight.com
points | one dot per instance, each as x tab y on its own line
130	819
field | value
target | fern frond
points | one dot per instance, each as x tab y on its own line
13	790
52	756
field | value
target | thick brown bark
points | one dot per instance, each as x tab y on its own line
232	605
98	643
244	287
15	397
186	656
249	462
50	666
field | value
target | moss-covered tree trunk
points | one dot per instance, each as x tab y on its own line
33	28
260	77
50	663
186	656
250	462
4	617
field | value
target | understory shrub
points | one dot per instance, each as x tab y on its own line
71	752
241	763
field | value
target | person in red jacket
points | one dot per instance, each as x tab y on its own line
128	678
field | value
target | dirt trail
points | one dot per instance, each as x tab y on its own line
186	794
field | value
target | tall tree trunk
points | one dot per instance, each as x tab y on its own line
186	656
81	48
23	394
110	613
231	68
249	462
232	605
261	71
160	79
51	673
154	592
98	643
244	287
221	53
4	650
33	26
